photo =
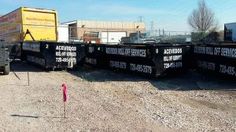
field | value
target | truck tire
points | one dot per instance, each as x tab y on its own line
6	69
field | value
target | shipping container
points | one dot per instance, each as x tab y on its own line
53	55
29	24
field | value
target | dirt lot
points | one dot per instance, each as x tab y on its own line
101	100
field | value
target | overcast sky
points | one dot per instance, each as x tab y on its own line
168	14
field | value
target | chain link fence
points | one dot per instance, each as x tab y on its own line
15	32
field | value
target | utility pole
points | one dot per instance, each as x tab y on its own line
152	28
138	33
140	19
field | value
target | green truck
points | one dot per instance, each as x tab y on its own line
4	59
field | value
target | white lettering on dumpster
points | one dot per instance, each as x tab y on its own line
229	70
66	54
206	65
31	47
217	51
173	65
138	52
173	51
228	52
91	49
66	48
223	69
111	51
127	52
173	58
141	68
199	50
118	64
91	61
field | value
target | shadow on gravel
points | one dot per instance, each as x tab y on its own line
19	66
25	116
191	80
35	117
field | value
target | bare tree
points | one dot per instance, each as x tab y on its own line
203	18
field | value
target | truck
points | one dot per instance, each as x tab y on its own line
29	24
4	59
137	38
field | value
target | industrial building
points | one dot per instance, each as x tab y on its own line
230	32
106	32
63	33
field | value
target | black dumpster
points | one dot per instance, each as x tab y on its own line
220	59
95	55
53	55
153	60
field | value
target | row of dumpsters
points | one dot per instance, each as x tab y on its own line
152	60
32	25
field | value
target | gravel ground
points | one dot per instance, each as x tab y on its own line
101	100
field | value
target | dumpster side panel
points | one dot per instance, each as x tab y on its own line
220	59
31	52
130	59
151	60
50	55
95	55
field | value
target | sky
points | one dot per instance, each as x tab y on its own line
170	15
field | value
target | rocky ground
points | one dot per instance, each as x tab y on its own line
101	100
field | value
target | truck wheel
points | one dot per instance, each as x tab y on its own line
6	69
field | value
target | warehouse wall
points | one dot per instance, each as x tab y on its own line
63	33
78	28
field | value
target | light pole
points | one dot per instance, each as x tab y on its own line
83	30
137	27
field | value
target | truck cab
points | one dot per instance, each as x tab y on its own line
4	59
